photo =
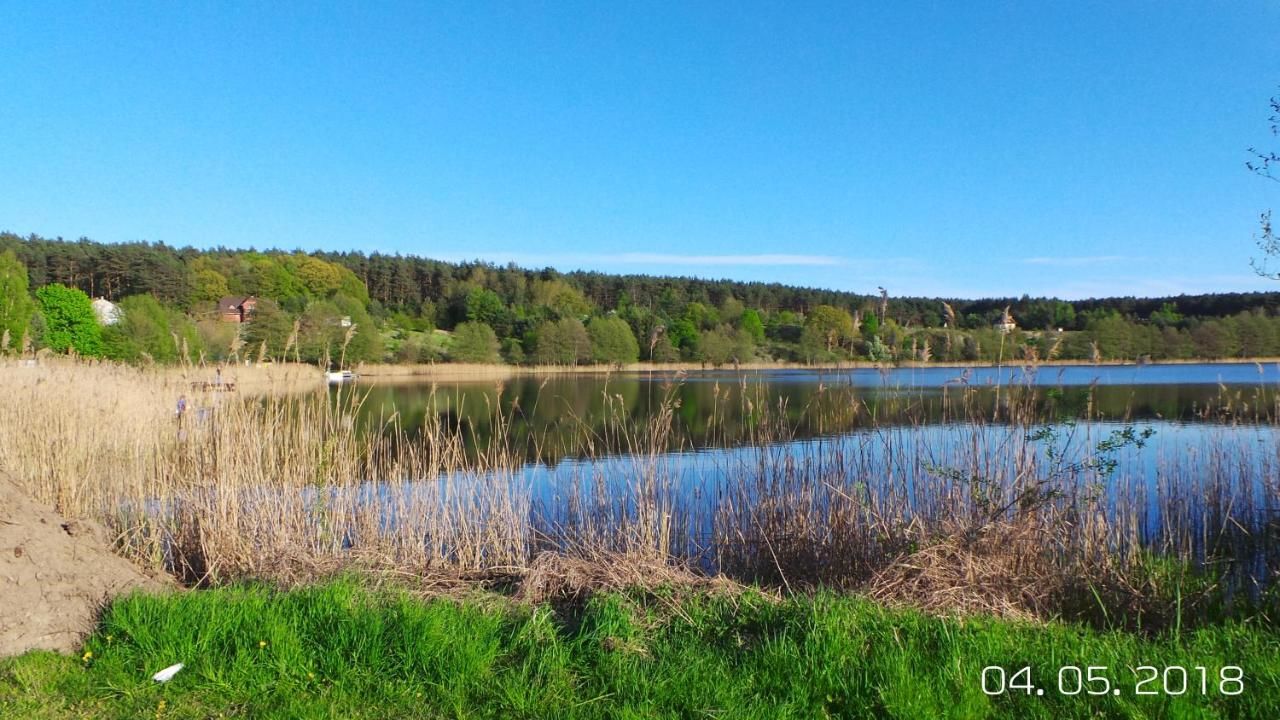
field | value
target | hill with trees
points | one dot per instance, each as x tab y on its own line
333	308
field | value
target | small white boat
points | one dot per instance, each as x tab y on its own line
339	376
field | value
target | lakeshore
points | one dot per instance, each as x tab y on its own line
597	534
449	372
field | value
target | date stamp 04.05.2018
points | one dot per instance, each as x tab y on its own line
1100	680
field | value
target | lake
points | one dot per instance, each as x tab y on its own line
555	414
1183	458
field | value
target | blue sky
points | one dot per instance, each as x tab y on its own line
957	149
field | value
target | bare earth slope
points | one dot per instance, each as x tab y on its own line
55	576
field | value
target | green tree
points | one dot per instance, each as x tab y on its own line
16	305
612	341
69	320
877	351
1166	316
716	347
513	351
474	342
753	325
870	325
484	306
319	277
350	285
271	279
563	342
683	336
1255	334
1214	339
832	324
148	327
268	324
1114	335
1037	315
561	298
208	285
319	333
784	326
731	311
358	330
1064	315
725	345
1176	343
664	351
701	316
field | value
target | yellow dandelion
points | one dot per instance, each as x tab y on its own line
87	655
262	644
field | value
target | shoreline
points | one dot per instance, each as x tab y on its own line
450	372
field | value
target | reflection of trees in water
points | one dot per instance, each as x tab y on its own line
558	417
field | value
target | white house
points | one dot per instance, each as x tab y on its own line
108	312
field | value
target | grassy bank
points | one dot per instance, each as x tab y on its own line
337	650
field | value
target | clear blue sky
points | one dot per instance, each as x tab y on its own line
948	148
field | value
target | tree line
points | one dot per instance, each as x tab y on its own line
335	308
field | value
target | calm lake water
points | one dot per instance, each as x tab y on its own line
1206	482
553	416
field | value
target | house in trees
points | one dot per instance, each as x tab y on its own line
1005	324
108	312
236	309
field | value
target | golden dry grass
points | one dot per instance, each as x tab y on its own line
278	481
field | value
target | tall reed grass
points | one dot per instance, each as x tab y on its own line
1005	507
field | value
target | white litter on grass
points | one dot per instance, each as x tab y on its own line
167	674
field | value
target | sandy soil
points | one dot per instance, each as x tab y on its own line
55	576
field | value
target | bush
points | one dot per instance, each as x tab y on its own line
474	343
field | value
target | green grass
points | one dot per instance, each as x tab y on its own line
340	651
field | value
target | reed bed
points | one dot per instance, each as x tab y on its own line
1005	508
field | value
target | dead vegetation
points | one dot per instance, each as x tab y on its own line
1005	569
983	514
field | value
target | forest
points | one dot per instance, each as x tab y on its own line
343	308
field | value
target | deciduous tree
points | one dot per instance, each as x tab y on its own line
832	324
612	341
69	320
563	342
474	342
16	305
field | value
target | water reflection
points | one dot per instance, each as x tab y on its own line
833	466
557	417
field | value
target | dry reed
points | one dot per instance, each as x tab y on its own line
285	483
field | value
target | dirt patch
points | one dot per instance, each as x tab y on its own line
55	576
